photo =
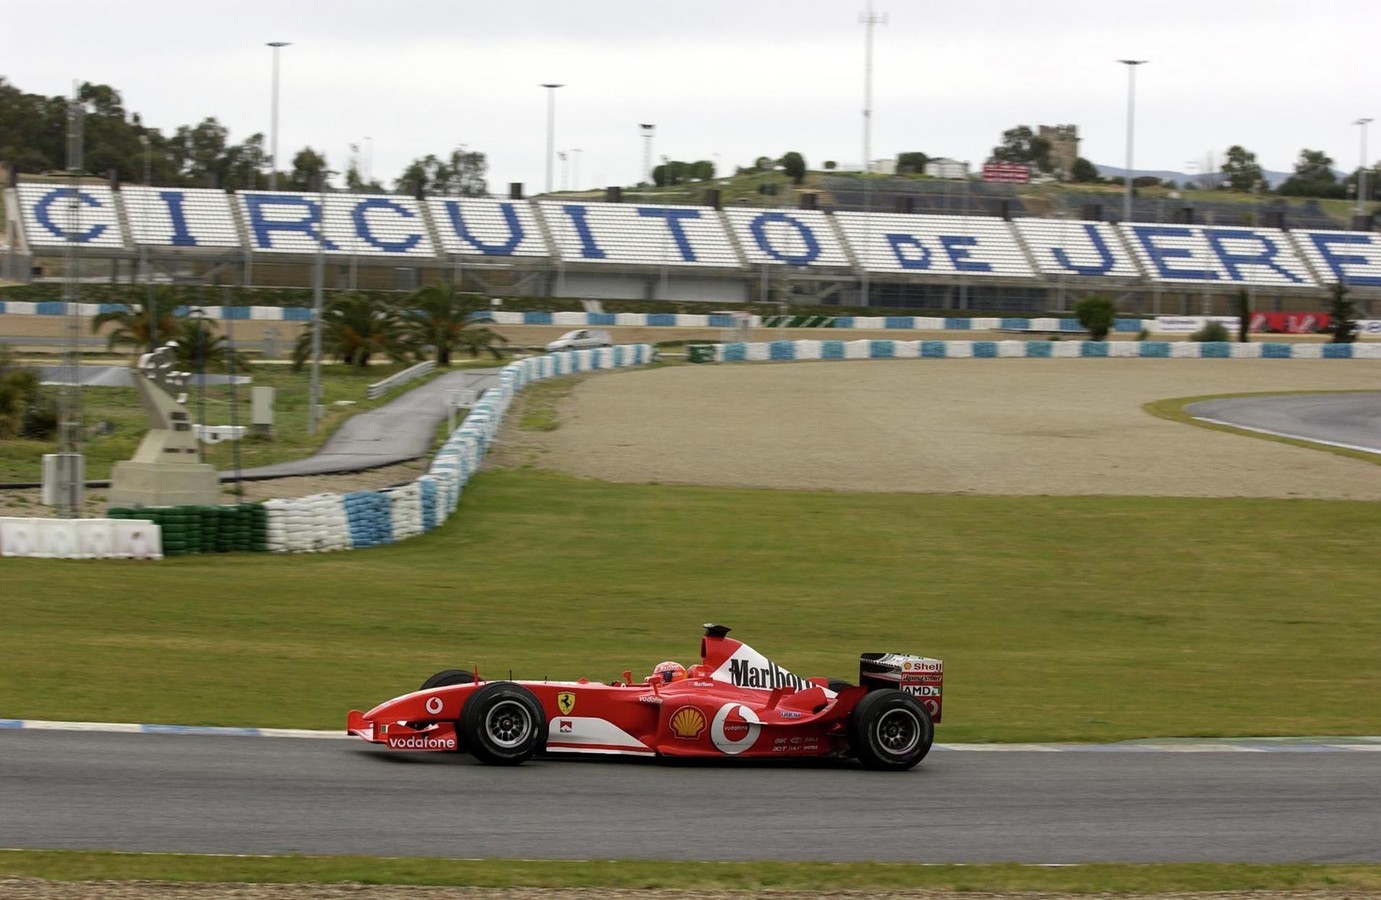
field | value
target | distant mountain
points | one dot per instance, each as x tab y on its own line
1273	179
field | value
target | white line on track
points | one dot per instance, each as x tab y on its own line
1153	745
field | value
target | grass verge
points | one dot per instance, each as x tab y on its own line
653	874
1059	618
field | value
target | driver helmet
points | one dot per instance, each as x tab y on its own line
670	671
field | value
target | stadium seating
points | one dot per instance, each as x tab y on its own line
1062	247
638	234
482	226
51	218
356	224
792	237
1194	254
181	218
940	245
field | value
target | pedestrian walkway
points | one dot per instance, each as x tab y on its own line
401	430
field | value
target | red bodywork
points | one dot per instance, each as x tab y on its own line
736	702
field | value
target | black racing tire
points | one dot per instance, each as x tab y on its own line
448	677
890	730
838	684
503	724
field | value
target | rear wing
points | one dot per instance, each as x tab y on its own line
920	676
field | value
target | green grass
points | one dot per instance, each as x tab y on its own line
1058	618
688	876
1174	409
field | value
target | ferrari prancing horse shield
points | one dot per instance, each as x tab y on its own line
565	701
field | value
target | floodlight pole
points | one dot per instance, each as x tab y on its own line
273	140
648	131
1362	169
868	19
318	281
551	127
1131	65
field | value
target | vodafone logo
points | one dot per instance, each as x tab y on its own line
735	728
421	743
434	705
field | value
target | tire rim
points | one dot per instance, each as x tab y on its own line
898	731
508	724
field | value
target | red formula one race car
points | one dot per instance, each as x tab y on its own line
734	703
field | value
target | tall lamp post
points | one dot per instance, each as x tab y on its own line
1131	65
648	131
1362	169
551	127
273	130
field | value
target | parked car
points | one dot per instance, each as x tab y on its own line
581	339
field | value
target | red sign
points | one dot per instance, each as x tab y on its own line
1290	323
1017	173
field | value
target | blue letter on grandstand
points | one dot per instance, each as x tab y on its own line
362	225
263	228
673	219
173	201
515	230
45	218
954	244
1336	261
588	248
1147	235
1105	260
900	243
1217	237
807	236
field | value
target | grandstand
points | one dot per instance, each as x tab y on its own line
636	251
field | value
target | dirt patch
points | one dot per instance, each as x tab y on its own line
975	426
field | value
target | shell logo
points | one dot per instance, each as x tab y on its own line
687	723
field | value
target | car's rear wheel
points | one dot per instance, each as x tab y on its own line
503	724
891	730
446	678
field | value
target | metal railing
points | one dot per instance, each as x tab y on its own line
379	388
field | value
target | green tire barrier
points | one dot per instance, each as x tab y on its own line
205	529
798	321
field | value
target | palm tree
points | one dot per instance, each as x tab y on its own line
477	339
439	316
355	327
199	349
135	324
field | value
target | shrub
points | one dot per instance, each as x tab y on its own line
1342	314
1212	331
1097	313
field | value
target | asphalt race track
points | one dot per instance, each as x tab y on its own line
252	795
1341	420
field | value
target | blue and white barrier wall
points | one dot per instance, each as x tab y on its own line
786	351
327	522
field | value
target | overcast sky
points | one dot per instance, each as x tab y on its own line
724	81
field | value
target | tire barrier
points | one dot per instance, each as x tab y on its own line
203	528
783	351
110	538
327	522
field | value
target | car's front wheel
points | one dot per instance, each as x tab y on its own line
890	729
503	724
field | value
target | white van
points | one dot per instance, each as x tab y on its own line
582	339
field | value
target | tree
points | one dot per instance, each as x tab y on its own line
1097	313
1084	172
1244	315
462	173
309	171
141	325
354	328
200	349
1240	169
794	165
438	316
1313	177
909	163
25	411
1342	314
482	339
1021	145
